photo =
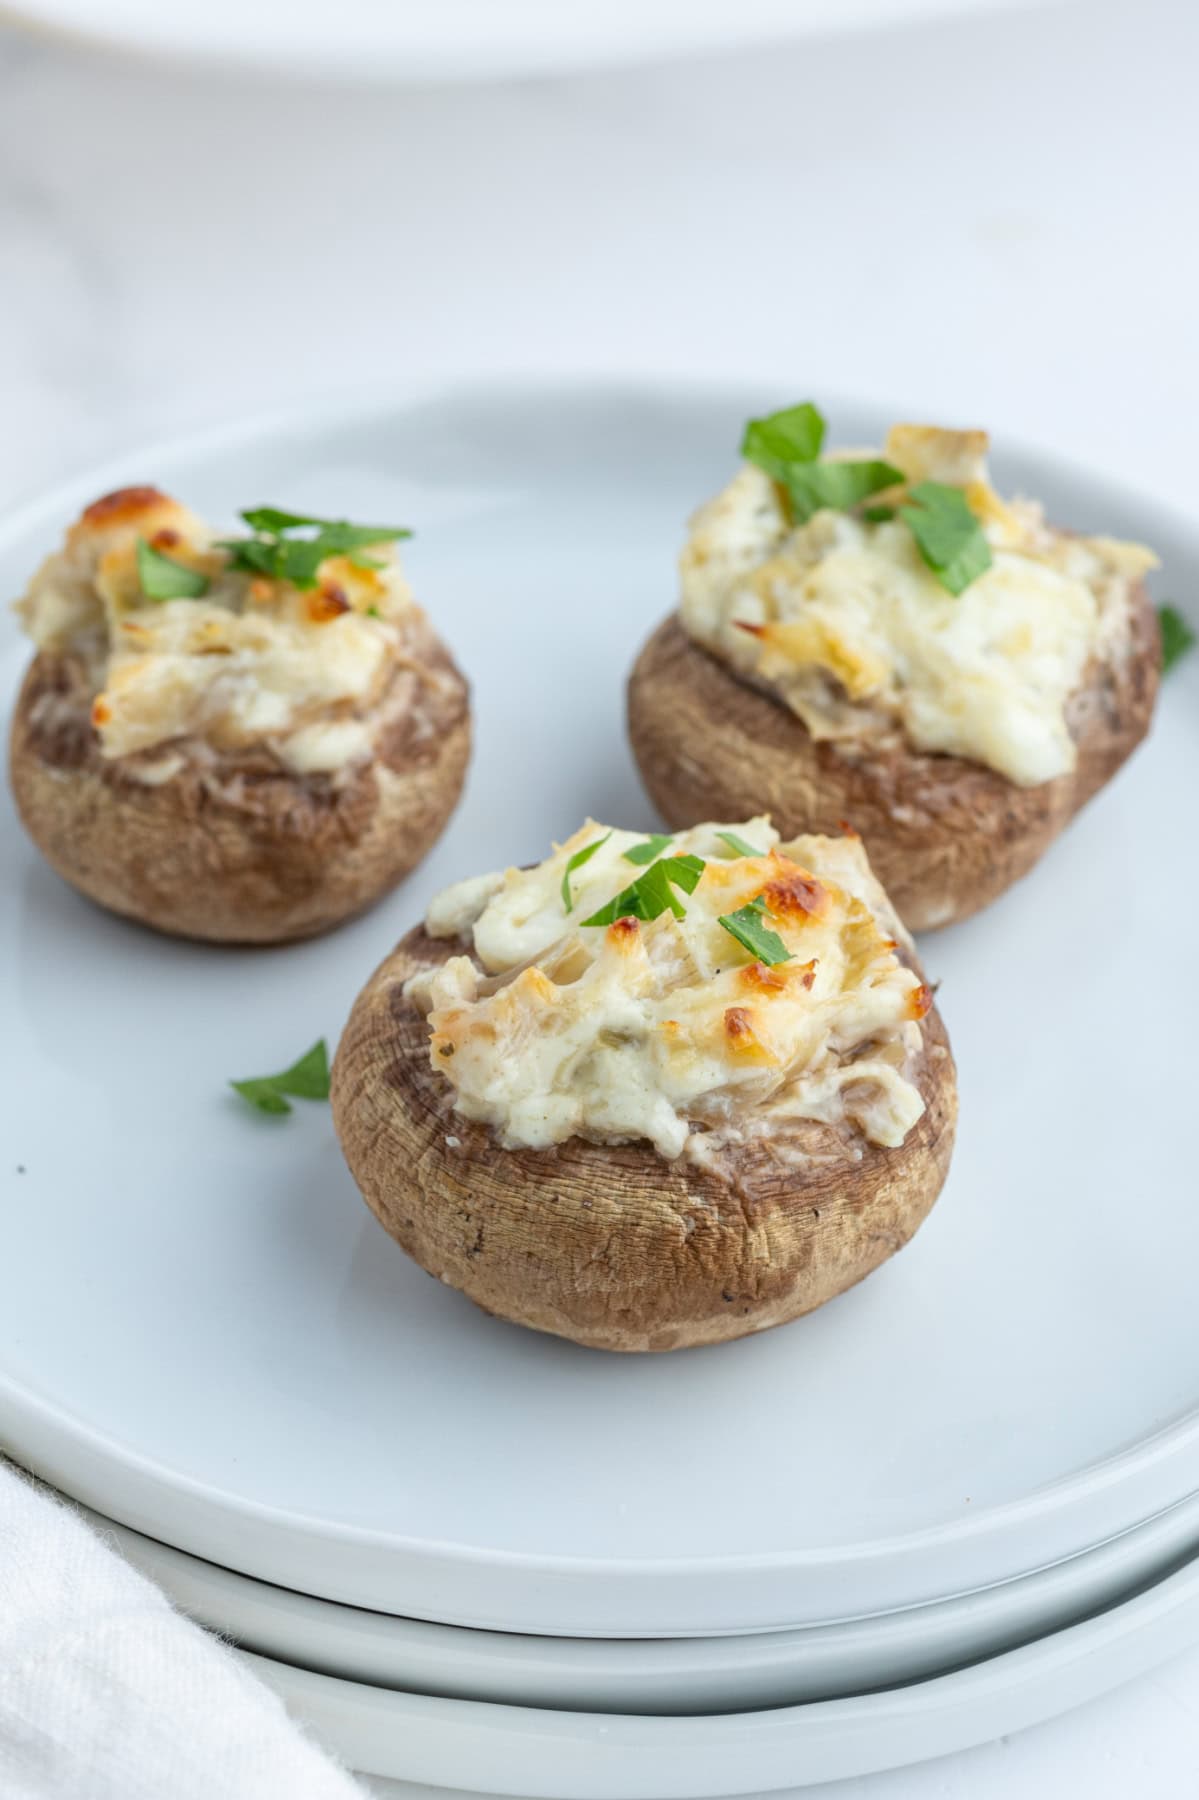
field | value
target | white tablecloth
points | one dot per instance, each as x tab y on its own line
106	1693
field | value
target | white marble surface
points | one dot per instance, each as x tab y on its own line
988	221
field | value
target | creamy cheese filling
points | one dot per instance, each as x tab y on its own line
668	1029
843	620
254	661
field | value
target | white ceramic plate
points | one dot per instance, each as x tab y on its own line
211	1339
596	1756
661	1675
455	40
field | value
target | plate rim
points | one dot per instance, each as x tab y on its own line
682	1758
228	1529
759	1670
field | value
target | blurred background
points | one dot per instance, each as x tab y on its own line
981	214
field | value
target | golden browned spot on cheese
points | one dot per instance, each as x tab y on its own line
622	933
758	978
743	1040
167	538
123	505
920	1001
796	895
327	603
101	711
807	973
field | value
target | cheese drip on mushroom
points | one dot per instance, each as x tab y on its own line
252	661
668	1029
842	619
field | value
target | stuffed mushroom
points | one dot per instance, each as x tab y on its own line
652	1093
879	638
245	739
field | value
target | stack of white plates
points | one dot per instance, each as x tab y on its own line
959	1498
671	1718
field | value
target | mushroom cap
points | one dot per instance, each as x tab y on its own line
945	836
246	851
612	1245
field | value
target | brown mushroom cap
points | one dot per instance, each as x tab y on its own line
946	836
611	1244
248	853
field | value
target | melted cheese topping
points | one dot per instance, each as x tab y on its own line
668	1030
252	661
846	624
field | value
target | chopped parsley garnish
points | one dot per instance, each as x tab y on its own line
307	1079
277	553
1177	635
738	845
948	536
576	862
650	850
787	446
274	519
783	439
653	892
947	533
839	486
162	578
762	943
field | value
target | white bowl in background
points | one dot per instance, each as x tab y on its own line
373	41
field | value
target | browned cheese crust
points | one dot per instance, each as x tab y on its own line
945	836
237	849
611	1244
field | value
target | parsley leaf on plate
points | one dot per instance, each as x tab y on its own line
1177	635
162	578
947	533
307	1079
576	862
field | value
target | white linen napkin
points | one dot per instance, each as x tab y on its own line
107	1693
